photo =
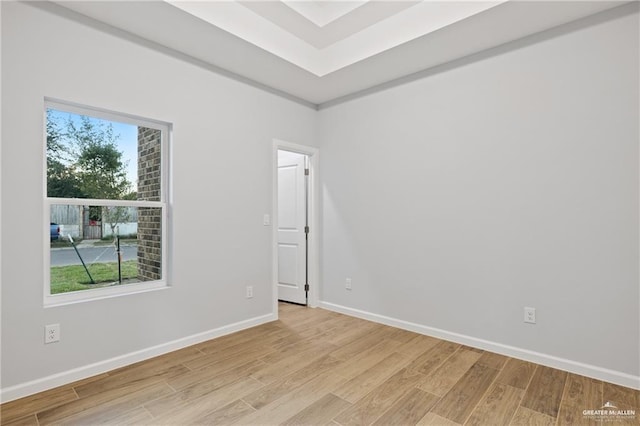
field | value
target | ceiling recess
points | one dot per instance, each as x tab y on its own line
320	51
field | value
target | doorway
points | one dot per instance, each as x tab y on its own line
294	224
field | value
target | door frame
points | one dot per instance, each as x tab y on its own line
314	223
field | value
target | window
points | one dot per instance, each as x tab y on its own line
105	203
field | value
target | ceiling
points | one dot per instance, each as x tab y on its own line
320	52
323	37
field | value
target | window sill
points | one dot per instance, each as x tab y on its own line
71	298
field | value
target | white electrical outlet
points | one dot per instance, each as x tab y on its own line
530	315
51	333
249	292
347	283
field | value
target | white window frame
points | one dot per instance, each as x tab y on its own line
114	291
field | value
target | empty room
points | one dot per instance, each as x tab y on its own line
320	212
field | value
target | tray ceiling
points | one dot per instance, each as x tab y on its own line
323	51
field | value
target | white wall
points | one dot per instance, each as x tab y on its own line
458	199
221	174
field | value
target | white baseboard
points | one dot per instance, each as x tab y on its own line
576	367
65	377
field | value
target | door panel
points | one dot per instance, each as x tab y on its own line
287	194
291	223
288	264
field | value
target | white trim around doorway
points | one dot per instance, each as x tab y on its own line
314	223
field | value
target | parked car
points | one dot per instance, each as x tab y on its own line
55	231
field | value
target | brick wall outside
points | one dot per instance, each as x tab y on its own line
149	218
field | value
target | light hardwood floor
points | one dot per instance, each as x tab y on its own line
317	367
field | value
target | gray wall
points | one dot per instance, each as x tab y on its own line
221	174
458	199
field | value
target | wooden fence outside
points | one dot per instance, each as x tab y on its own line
74	220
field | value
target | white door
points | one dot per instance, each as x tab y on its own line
292	214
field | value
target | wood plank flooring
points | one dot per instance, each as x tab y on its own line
317	367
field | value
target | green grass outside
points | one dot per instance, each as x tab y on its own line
74	278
